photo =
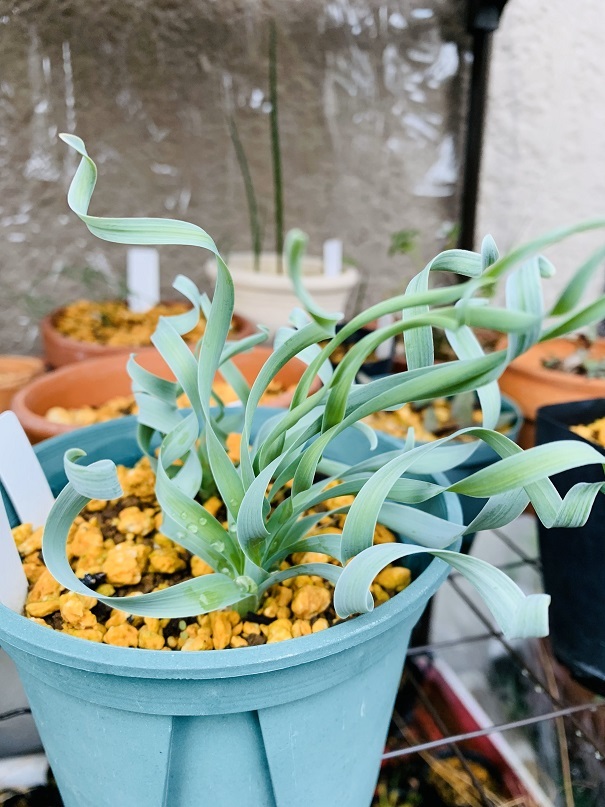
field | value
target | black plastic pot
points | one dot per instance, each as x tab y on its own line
573	560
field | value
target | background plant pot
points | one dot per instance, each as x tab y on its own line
531	385
267	298
15	372
573	560
94	381
285	725
374	366
60	350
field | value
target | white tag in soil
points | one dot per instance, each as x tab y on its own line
143	278
384	350
21	473
24	482
332	257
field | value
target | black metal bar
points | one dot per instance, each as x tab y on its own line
429	649
15	713
483	20
506	539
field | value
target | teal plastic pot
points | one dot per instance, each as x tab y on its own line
300	723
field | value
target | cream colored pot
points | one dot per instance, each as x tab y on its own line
267	298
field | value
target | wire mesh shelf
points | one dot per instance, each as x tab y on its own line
550	728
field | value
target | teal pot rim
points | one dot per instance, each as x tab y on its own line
25	635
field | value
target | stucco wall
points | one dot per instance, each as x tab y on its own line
371	105
544	155
372	100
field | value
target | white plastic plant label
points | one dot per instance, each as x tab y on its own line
385	349
26	486
21	473
143	278
332	254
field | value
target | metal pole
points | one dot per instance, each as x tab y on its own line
483	20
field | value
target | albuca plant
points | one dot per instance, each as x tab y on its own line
286	453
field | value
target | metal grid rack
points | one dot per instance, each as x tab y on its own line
565	722
565	718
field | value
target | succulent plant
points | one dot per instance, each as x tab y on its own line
579	362
286	455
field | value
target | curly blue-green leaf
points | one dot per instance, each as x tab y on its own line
96	481
518	615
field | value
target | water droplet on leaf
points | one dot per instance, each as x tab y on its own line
246	584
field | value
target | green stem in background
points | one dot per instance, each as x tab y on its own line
244	167
278	196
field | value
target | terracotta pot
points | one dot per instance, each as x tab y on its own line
15	372
95	381
60	350
532	385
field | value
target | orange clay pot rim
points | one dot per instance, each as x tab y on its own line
32	366
41	424
48	324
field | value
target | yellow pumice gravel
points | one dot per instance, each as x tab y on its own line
111	322
595	431
117	548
